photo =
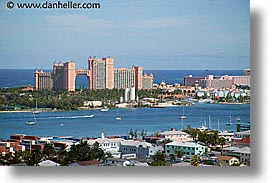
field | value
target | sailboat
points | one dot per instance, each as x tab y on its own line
117	116
182	116
36	111
230	121
32	122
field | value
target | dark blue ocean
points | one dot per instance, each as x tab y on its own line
21	77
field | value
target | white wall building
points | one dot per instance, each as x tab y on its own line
176	136
108	144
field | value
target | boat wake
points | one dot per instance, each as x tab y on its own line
72	117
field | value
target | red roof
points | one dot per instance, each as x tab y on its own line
243	140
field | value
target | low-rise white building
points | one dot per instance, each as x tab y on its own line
176	136
110	145
92	103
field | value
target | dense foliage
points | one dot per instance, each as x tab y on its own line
79	152
15	98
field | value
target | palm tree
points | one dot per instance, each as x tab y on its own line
195	161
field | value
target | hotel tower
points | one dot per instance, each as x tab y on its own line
101	74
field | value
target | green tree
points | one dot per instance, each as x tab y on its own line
158	159
35	158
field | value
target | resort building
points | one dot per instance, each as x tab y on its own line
124	78
43	80
216	82
147	81
138	77
100	74
187	148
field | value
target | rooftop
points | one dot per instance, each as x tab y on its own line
185	144
173	132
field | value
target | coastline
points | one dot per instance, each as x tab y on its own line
160	106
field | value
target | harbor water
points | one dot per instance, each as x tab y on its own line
91	123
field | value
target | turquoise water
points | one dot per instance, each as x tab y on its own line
90	123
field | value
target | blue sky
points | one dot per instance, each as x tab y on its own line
176	34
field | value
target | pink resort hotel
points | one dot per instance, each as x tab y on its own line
101	74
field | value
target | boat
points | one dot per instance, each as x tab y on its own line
104	109
230	121
238	119
117	116
202	128
35	111
182	116
157	106
32	122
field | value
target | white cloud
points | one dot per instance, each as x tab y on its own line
76	22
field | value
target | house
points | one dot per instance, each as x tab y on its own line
187	148
110	145
228	136
48	163
176	135
242	134
116	162
244	142
87	163
228	160
243	154
141	149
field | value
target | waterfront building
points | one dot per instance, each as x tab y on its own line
69	75
57	76
190	80
138	77
43	80
102	73
212	81
124	78
241	80
187	148
147	81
